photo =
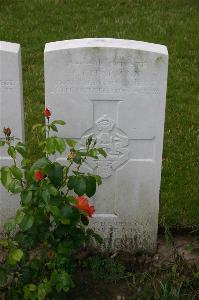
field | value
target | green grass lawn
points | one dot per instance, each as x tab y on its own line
174	23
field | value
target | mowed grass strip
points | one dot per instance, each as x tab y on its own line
174	23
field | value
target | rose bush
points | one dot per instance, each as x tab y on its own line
50	226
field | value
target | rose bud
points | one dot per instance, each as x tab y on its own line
7	131
51	253
47	113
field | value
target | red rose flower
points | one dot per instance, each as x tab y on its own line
7	131
82	204
47	113
38	175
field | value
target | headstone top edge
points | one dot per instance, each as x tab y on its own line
9	47
106	43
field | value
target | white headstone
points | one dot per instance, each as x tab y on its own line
11	114
115	90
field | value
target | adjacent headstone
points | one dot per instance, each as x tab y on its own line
115	90
11	114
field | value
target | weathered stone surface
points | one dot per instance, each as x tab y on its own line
11	114
115	90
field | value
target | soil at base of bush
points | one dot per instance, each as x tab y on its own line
171	273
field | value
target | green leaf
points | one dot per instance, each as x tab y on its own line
12	152
54	278
80	185
65	282
26	197
15	256
75	216
66	214
25	163
35	264
90	186
21	149
93	153
67	211
78	158
19	216
27	222
2	143
39	164
16	172
60	145
102	152
65	221
46	196
10	225
64	248
52	190
9	182
71	182
4	243
42	291
98	179
3	277
30	291
83	153
71	199
15	186
55	210
71	143
53	127
51	145
55	174
6	177
59	122
32	287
